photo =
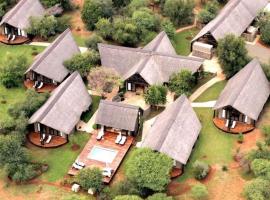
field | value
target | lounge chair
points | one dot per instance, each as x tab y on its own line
118	138
42	137
75	187
233	125
40	85
35	85
107	172
79	163
9	37
123	140
13	38
48	139
78	167
227	123
100	134
223	113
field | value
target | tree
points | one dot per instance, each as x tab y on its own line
261	168
199	192
93	10
179	11
168	27
182	82
11	74
200	169
125	187
232	54
92	42
159	196
83	63
149	170
104	79
136	5
258	189
127	197
209	12
104	28
265	33
120	3
90	178
155	95
66	4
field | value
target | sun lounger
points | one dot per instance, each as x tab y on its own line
78	167
227	123
40	85
233	125
35	85
42	137
79	163
75	187
123	140
13	38
100	133
48	139
223	113
118	138
107	172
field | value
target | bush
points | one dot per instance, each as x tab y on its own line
125	187
104	28
93	10
240	138
258	189
199	192
155	95
127	197
200	169
261	168
159	196
209	12
21	172
90	178
179	11
66	4
136	5
265	33
92	42
168	27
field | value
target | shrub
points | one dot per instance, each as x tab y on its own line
261	168
258	189
136	5
159	196
104	28
90	178
240	138
93	10
66	4
21	172
224	168
200	169
265	33
199	192
92	42
127	197
209	12
155	95
169	28
125	187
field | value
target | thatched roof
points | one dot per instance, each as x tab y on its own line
156	62
174	131
247	91
50	62
63	109
117	115
20	14
234	18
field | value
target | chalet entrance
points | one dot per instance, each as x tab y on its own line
13	35
136	84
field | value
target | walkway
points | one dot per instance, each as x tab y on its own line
208	104
187	27
259	51
45	44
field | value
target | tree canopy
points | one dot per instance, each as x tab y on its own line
90	178
127	197
156	95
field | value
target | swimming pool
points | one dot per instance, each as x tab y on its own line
102	154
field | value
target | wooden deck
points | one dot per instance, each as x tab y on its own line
109	143
239	128
56	141
46	87
19	40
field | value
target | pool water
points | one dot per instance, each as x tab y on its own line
102	154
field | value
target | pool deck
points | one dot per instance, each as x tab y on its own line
109	143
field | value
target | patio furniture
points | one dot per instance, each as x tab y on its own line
100	134
77	162
75	187
13	38
233	125
42	137
223	113
9	37
40	85
78	167
107	172
227	123
118	138
48	139
35	85
123	140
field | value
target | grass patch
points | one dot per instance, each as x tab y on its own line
213	146
207	76
212	93
80	40
59	159
87	115
183	39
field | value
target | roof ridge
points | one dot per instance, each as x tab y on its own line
15	9
49	49
118	104
58	94
161	36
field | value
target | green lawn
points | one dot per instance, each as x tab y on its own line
87	116
213	145
59	159
182	41
212	93
80	40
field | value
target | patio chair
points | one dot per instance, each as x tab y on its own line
77	162
107	172
35	85
75	187
40	85
227	123
118	138
48	139
233	125
13	38
100	134
42	137
9	37
78	167
123	140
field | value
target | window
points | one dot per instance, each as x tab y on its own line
129	86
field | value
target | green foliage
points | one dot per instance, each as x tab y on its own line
266	132
155	95
240	138
200	169
168	27
136	5
199	192
127	197
125	187
93	10
120	3
159	196
149	170
92	41
262	152
104	28
258	189
90	178
27	107
265	33
66	4
12	72
182	82
232	54
83	62
179	11
209	12
261	168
